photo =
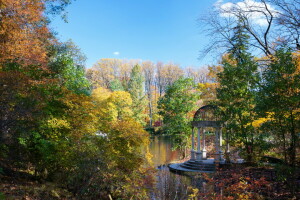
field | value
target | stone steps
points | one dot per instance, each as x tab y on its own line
196	165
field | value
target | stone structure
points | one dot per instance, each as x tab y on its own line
204	118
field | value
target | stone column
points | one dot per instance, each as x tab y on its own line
227	147
227	153
193	145
204	147
217	146
198	153
220	150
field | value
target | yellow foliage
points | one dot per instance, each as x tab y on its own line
296	56
258	122
112	106
194	195
101	94
226	58
208	91
213	71
58	123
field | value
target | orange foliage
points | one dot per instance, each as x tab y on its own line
22	31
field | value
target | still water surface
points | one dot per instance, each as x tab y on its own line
161	149
169	185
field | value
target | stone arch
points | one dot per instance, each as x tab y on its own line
205	117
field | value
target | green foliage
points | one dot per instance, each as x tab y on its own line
175	107
236	94
67	64
57	7
2	196
278	98
92	145
136	90
116	85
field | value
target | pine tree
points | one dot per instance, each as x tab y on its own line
136	90
236	94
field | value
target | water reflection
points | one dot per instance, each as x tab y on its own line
161	149
170	185
175	186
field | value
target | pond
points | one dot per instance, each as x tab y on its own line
169	185
161	149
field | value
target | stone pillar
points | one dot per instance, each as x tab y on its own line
193	145
227	153
220	150
217	146
227	147
204	147
198	153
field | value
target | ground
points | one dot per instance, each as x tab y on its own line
23	186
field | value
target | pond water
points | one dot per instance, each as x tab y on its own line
161	149
170	185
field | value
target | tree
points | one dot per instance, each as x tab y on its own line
103	72
288	20
136	90
199	76
278	98
176	107
24	35
116	85
166	75
20	36
236	93
123	149
148	69
259	21
67	65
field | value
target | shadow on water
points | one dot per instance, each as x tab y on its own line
176	186
170	185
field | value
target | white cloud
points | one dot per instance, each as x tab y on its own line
116	53
218	3
247	6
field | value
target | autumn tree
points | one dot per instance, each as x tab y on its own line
22	37
166	75
198	75
149	70
124	149
278	100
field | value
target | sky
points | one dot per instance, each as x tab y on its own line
155	30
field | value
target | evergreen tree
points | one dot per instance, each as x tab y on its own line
136	90
237	91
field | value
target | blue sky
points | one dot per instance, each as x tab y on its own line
156	30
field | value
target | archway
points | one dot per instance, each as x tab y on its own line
205	117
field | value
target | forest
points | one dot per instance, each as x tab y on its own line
71	132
